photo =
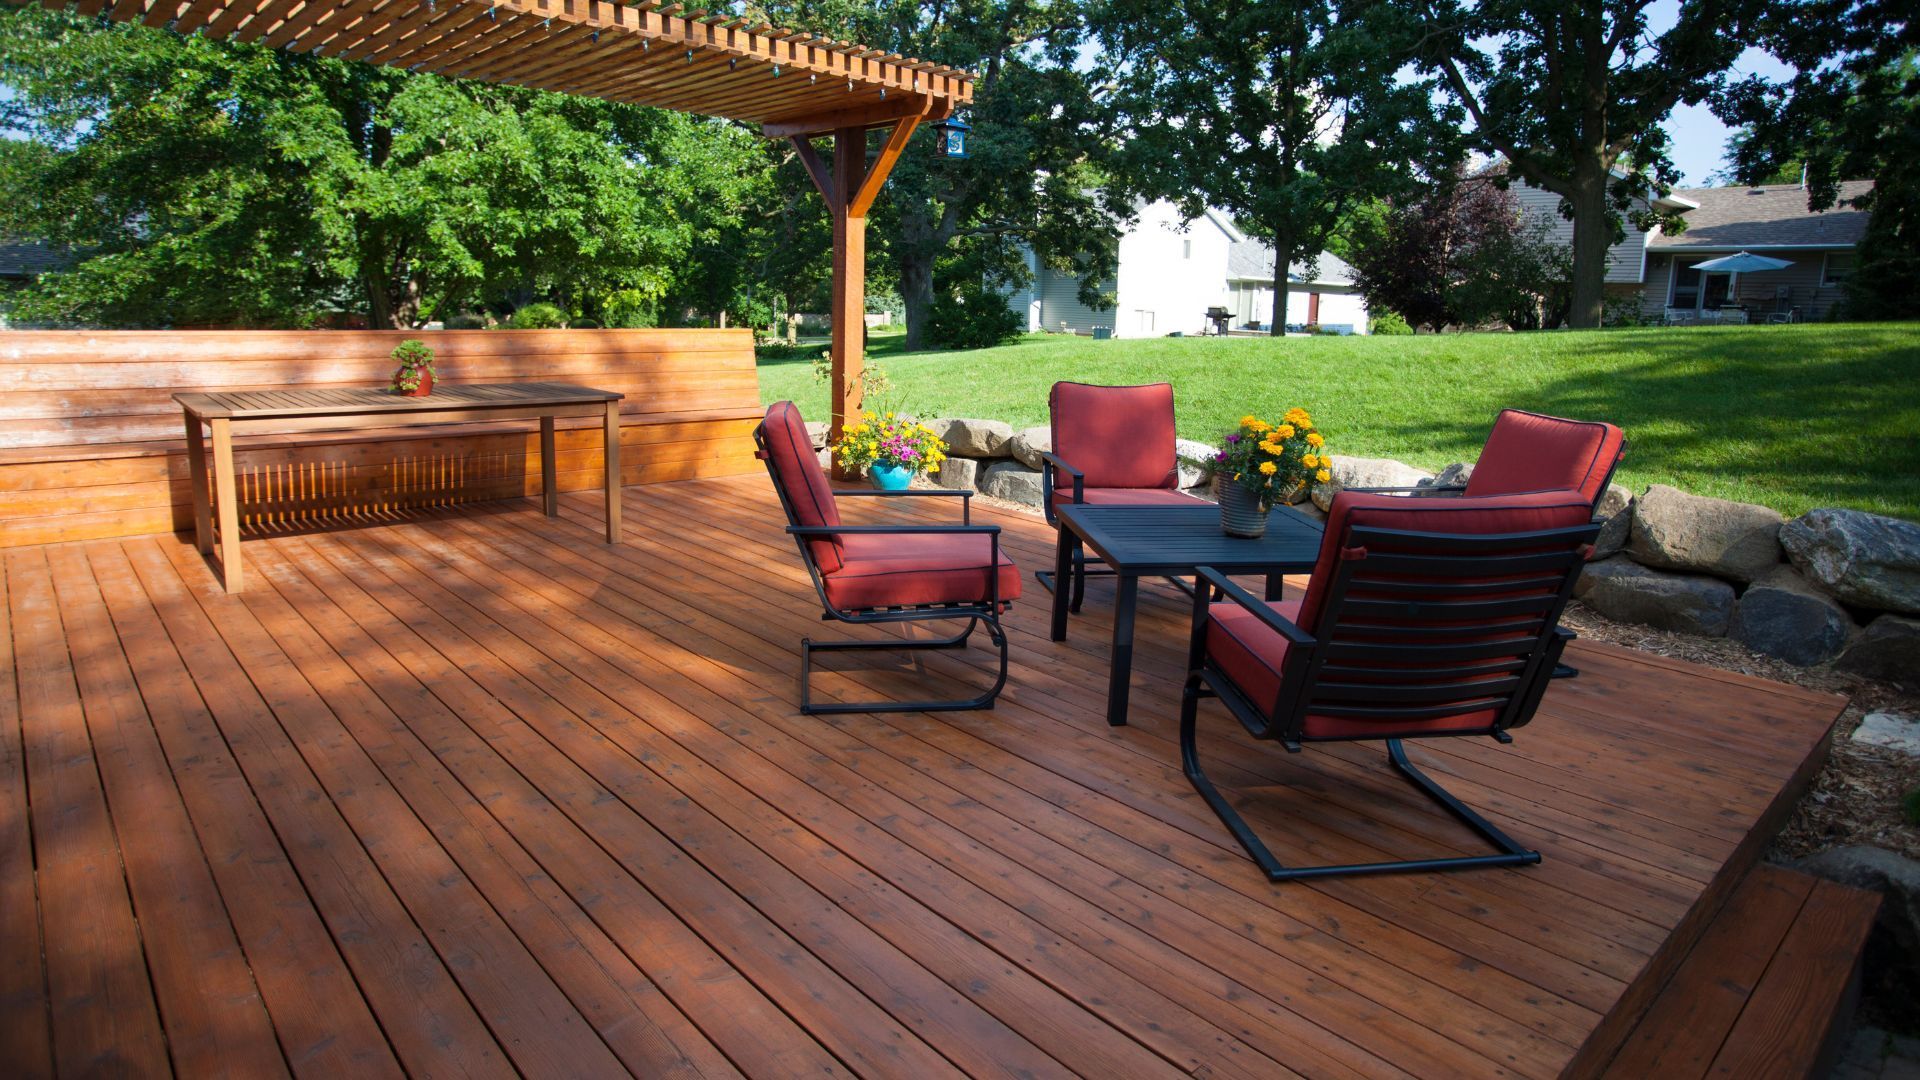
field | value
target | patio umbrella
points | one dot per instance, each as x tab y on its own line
1745	262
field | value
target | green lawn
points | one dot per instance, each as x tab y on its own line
1790	416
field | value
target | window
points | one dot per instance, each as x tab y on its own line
1686	285
1838	265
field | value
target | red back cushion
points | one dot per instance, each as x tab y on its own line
1528	512
790	458
1530	452
1119	436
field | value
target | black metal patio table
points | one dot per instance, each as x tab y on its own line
1169	541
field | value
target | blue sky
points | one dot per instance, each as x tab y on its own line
1699	138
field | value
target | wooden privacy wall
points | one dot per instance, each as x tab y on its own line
92	444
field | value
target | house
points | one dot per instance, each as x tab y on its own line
1656	267
1173	270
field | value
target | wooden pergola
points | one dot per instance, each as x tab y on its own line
793	85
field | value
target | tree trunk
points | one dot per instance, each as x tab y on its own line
1592	237
916	289
1282	260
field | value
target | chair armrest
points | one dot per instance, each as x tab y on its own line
1259	608
964	494
1046	476
1438	489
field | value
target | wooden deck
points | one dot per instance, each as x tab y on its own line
468	791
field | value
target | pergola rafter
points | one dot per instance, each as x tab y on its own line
791	84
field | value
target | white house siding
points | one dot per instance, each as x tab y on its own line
1623	259
1804	279
1338	306
1169	276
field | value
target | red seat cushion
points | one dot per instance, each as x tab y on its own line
1252	654
1117	436
791	459
1531	452
1128	497
910	569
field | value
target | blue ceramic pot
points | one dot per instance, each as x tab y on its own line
890	477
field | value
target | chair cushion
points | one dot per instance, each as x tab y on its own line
1128	497
1531	452
791	460
1253	654
909	569
1118	436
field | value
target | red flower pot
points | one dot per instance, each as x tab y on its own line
425	387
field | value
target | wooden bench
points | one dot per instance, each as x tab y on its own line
91	444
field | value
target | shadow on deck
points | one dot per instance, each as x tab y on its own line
470	791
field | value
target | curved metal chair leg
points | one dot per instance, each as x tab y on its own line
982	701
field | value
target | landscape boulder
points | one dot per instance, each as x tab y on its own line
1785	616
817	430
1615	514
1455	475
1625	591
1187	452
968	437
1011	481
1359	472
1673	530
1866	559
958	474
1891	730
1889	648
1029	443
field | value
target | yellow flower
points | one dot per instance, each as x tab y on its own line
1284	431
1272	448
1249	420
1323	475
1268	468
1316	440
1310	461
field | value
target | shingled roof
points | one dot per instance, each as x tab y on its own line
1252	260
1757	218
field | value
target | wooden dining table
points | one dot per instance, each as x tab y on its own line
223	415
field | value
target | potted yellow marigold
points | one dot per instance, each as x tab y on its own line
1264	465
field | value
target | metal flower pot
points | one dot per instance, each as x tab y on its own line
1240	512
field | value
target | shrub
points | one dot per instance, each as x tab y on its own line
973	319
466	321
584	324
541	316
1910	806
1389	324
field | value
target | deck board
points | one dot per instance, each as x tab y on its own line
468	789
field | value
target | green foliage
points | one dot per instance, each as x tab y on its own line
235	185
1910	807
1573	92
1702	405
1389	324
1287	114
973	318
1850	111
537	316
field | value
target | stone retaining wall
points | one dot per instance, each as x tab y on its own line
1833	585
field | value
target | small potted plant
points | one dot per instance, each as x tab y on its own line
414	376
891	448
1266	465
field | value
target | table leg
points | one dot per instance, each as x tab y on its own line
549	494
197	475
613	472
1275	586
226	501
1063	546
1120	679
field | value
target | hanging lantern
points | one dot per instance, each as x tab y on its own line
953	138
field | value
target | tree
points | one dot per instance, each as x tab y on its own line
1572	93
217	184
1463	254
1284	113
1850	111
1034	178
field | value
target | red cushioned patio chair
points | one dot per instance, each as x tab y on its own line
1424	618
869	574
1534	452
1112	445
